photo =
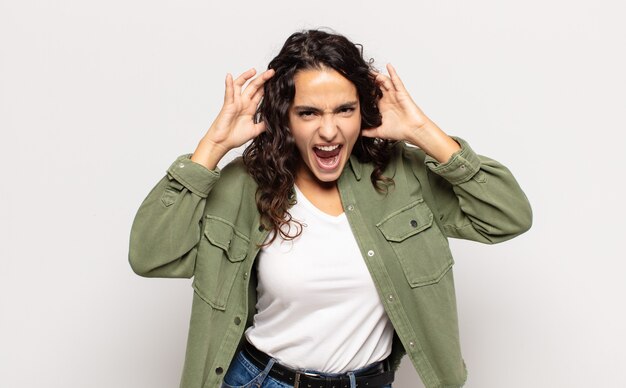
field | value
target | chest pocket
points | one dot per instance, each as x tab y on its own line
219	261
420	247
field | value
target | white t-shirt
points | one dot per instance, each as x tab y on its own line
317	304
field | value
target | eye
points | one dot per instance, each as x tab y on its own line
306	113
346	110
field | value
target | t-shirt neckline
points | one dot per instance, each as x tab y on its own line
309	205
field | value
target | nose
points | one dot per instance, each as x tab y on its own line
328	128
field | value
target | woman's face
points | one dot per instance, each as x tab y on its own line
325	121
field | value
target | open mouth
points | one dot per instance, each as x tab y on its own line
327	156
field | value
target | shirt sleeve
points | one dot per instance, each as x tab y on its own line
167	228
474	197
194	176
461	166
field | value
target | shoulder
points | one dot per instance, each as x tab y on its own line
410	152
235	172
235	183
233	195
406	157
402	158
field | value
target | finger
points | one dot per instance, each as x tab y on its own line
397	82
257	83
228	93
256	98
384	82
241	80
246	75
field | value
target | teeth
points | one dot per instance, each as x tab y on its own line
327	148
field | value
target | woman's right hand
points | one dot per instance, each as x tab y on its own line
234	125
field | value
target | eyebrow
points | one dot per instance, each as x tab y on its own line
350	104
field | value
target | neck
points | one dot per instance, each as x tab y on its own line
306	181
323	195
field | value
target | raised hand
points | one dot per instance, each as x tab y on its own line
403	120
234	125
400	114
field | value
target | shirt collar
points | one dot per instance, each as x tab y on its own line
356	167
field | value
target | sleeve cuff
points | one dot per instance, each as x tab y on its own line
461	167
194	176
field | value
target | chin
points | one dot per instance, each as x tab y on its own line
327	178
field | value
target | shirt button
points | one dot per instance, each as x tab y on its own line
462	167
413	223
350	207
219	370
245	275
390	297
370	253
261	228
181	165
237	320
412	344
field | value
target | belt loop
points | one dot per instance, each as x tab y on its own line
266	371
269	366
352	380
296	383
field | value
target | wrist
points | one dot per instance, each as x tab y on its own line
208	153
433	141
423	134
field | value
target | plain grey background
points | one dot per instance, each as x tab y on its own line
98	98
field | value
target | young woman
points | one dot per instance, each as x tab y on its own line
320	258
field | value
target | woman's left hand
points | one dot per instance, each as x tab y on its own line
403	120
401	116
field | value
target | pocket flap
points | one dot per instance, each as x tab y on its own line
420	247
406	221
222	234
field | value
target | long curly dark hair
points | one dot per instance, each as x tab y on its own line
272	157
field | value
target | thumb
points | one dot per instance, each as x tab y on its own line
370	132
259	128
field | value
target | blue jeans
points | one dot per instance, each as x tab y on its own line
244	374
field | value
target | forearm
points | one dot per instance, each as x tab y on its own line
208	153
434	142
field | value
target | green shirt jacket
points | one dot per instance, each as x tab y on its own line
205	223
